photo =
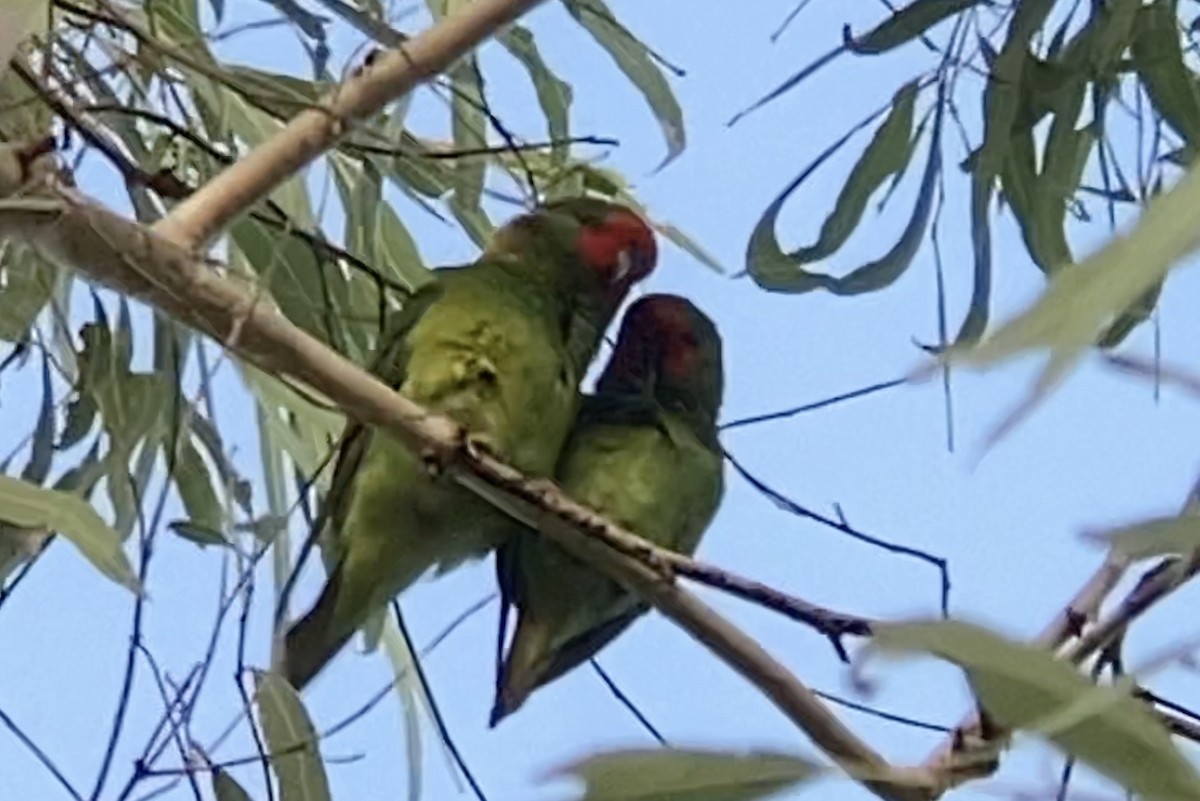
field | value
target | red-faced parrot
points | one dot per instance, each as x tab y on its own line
500	345
644	453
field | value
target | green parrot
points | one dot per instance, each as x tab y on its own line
500	345
644	453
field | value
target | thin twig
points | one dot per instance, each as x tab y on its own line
147	551
809	407
40	755
1069	623
306	136
626	702
789	505
59	222
434	712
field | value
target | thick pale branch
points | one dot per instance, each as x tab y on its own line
64	226
203	215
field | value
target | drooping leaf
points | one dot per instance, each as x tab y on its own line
676	774
906	24
1080	301
41	450
776	271
1162	68
308	289
1002	95
807	71
1023	687
33	508
226	788
1131	318
633	59
688	245
291	740
192	477
884	271
975	323
1178	534
26	284
198	534
554	94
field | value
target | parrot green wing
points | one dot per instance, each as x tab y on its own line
389	365
644	468
487	349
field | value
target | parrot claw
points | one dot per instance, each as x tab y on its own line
478	446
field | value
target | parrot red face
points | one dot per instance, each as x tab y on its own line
620	247
665	335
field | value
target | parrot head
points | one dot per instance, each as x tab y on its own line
591	252
670	350
611	243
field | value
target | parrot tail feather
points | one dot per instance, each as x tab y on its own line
311	642
524	667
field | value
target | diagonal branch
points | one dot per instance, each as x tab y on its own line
64	226
203	215
1069	624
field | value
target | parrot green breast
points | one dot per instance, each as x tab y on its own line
647	471
488	351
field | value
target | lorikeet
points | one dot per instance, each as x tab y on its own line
644	453
500	345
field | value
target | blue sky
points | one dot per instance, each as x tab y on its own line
1102	451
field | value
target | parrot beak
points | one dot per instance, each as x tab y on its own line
624	266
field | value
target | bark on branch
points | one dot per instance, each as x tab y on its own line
63	225
208	211
159	266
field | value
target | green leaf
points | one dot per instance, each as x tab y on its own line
676	774
192	477
28	506
468	117
1131	318
975	323
374	233
309	291
1158	58
469	129
199	534
1082	299
253	105
633	58
41	451
1002	95
884	156
226	788
26	284
291	740
208	438
1178	534
688	245
914	20
1025	687
554	94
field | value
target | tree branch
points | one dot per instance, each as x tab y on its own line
1160	582
63	225
199	218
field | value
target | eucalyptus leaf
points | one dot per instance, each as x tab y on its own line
633	59
676	774
1024	687
291	740
33	508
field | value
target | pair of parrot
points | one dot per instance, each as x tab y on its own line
500	346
